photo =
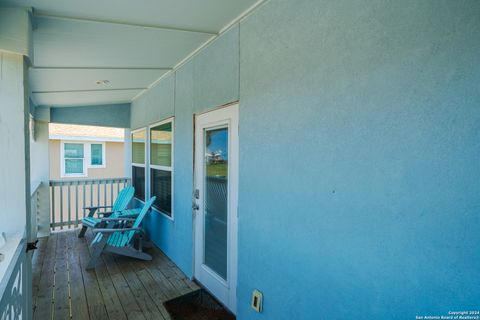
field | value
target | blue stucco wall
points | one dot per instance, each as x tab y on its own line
194	87
360	186
112	115
359	146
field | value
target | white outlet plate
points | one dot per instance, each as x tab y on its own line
257	300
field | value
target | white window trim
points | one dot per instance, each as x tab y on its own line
104	155
143	165
171	168
140	165
63	174
87	158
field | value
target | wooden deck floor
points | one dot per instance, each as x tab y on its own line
118	288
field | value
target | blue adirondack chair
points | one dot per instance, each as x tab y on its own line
121	203
119	238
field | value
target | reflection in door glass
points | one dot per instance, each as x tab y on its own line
216	195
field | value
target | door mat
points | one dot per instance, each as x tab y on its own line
197	305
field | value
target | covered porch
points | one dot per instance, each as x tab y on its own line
309	159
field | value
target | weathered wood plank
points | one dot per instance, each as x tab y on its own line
78	299
165	285
122	288
111	299
153	289
148	307
166	267
61	297
44	299
96	306
37	265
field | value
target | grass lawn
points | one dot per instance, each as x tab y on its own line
217	169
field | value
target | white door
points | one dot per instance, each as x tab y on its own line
215	202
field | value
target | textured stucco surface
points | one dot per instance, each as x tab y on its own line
359	148
359	196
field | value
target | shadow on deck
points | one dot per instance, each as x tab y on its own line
118	288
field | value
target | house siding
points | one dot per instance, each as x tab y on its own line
359	147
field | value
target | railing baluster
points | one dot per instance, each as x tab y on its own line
61	206
98	193
69	207
76	204
111	193
105	192
91	195
84	200
52	207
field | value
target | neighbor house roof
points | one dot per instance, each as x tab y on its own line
78	132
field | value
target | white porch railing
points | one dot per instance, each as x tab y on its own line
69	197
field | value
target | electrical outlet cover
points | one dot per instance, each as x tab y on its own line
257	300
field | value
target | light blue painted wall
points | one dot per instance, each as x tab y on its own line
359	148
216	72
16	31
112	115
359	159
192	88
157	104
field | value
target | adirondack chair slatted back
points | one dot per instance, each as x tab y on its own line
140	217
123	199
121	239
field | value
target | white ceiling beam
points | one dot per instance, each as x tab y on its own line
89	90
39	13
99	68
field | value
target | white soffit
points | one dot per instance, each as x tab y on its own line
129	43
84	98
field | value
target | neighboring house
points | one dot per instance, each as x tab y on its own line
78	151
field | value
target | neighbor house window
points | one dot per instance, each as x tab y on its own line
161	141
97	155
138	163
73	159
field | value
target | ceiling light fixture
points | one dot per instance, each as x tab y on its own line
102	82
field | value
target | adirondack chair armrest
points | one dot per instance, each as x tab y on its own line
128	216
94	209
98	207
105	214
108	230
117	219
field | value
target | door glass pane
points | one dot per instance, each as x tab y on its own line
96	150
138	147
73	166
216	209
161	145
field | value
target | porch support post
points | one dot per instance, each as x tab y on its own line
15	207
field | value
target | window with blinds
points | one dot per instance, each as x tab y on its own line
73	157
96	154
161	142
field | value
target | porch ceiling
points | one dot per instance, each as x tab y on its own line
129	43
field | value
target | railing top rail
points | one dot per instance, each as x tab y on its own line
88	181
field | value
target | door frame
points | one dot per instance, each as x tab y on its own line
219	115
